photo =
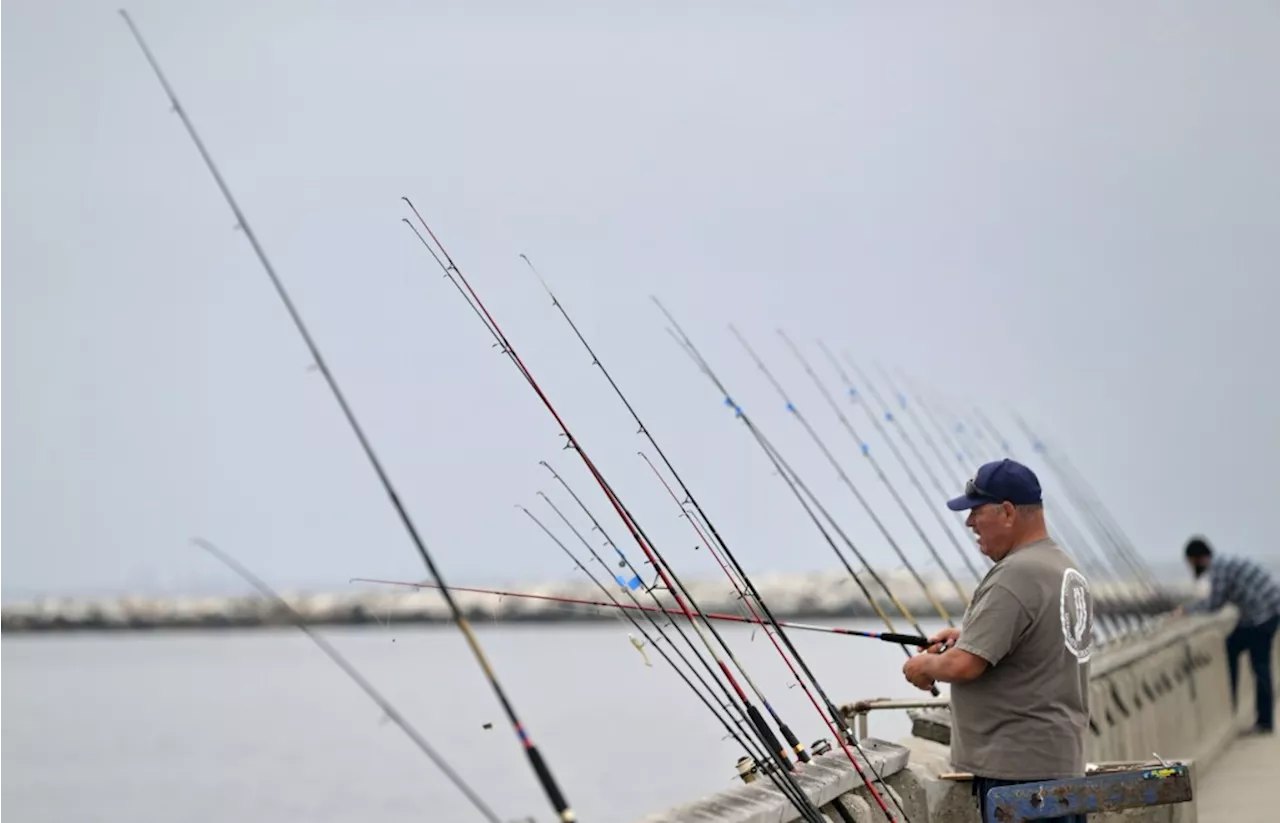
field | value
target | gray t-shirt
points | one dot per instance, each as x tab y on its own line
1024	718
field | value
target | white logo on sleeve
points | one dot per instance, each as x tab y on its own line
1077	616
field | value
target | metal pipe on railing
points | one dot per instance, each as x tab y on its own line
862	708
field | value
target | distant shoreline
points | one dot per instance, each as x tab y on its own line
814	597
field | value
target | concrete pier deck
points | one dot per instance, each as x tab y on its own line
1237	788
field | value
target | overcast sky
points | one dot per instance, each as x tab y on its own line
1070	210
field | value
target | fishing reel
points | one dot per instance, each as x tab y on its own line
749	768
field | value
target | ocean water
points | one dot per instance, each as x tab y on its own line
261	726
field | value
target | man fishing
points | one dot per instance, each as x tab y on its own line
1019	663
1255	594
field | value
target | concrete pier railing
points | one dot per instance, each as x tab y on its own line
1163	692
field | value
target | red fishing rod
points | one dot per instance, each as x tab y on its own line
626	611
787	788
839	720
783	469
665	574
888	637
747	600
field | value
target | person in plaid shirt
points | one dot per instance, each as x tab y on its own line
1256	595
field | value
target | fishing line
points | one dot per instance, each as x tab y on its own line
388	710
667	576
536	761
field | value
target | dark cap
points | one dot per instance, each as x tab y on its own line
997	482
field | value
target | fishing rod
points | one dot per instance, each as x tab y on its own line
855	398
1108	563
964	428
747	600
1059	519
948	465
626	610
967	461
692	500
1066	523
536	761
839	721
798	487
1081	490
867	508
738	588
932	504
1091	506
665	574
385	705
888	637
786	787
800	750
598	527
970	462
635	603
1060	515
866	451
801	491
779	753
786	472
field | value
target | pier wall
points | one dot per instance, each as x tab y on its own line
1165	691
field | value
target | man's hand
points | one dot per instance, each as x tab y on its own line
915	670
943	640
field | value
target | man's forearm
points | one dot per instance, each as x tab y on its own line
953	666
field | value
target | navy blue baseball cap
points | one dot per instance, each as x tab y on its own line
997	482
